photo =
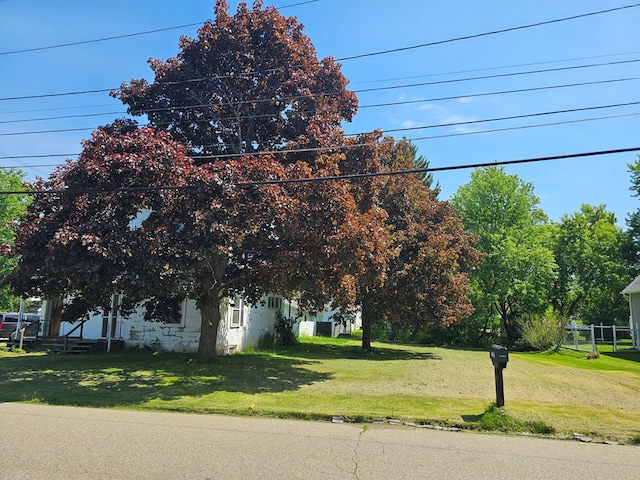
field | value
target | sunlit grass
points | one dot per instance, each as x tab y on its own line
320	378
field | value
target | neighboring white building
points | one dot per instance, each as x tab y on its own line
241	326
633	291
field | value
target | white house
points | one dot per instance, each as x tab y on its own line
241	325
633	291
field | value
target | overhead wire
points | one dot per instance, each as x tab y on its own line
352	57
328	178
485	34
363	90
345	146
443	169
11	112
388	104
510	117
485	69
392	87
467	122
127	35
5	155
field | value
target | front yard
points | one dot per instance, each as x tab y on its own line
322	378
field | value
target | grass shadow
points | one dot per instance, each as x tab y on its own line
472	418
632	356
313	351
130	379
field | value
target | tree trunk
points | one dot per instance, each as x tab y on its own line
367	316
210	313
505	317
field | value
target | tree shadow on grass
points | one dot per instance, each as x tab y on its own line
632	355
472	418
126	379
313	351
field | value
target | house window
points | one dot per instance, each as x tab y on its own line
173	320
236	313
173	316
274	302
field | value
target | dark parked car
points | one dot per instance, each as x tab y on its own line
9	324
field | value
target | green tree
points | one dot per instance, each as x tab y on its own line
502	210
11	209
631	243
421	162
588	248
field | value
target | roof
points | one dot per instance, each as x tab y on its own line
633	287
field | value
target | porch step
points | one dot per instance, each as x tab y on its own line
85	346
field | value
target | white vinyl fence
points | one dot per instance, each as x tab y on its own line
588	337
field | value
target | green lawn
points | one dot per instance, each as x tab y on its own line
320	378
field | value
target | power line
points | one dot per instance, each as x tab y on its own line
512	117
363	90
523	127
499	75
22	164
468	122
443	169
485	34
333	177
388	104
431	137
128	35
61	117
51	109
502	92
356	83
63	94
353	57
38	132
485	69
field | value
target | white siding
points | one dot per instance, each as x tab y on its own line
252	322
307	329
634	317
184	336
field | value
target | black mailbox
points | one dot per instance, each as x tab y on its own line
499	356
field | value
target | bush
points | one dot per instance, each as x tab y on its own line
283	336
381	331
284	330
267	341
542	331
479	331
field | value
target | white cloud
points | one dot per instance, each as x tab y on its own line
409	124
456	118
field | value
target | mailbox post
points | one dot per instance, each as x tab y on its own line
499	356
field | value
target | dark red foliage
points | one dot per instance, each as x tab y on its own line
249	83
430	253
254	108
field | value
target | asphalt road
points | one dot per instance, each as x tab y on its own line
42	442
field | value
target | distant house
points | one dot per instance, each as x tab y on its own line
241	325
633	291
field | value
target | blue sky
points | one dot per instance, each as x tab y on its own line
350	28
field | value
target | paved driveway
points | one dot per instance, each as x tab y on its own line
41	442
